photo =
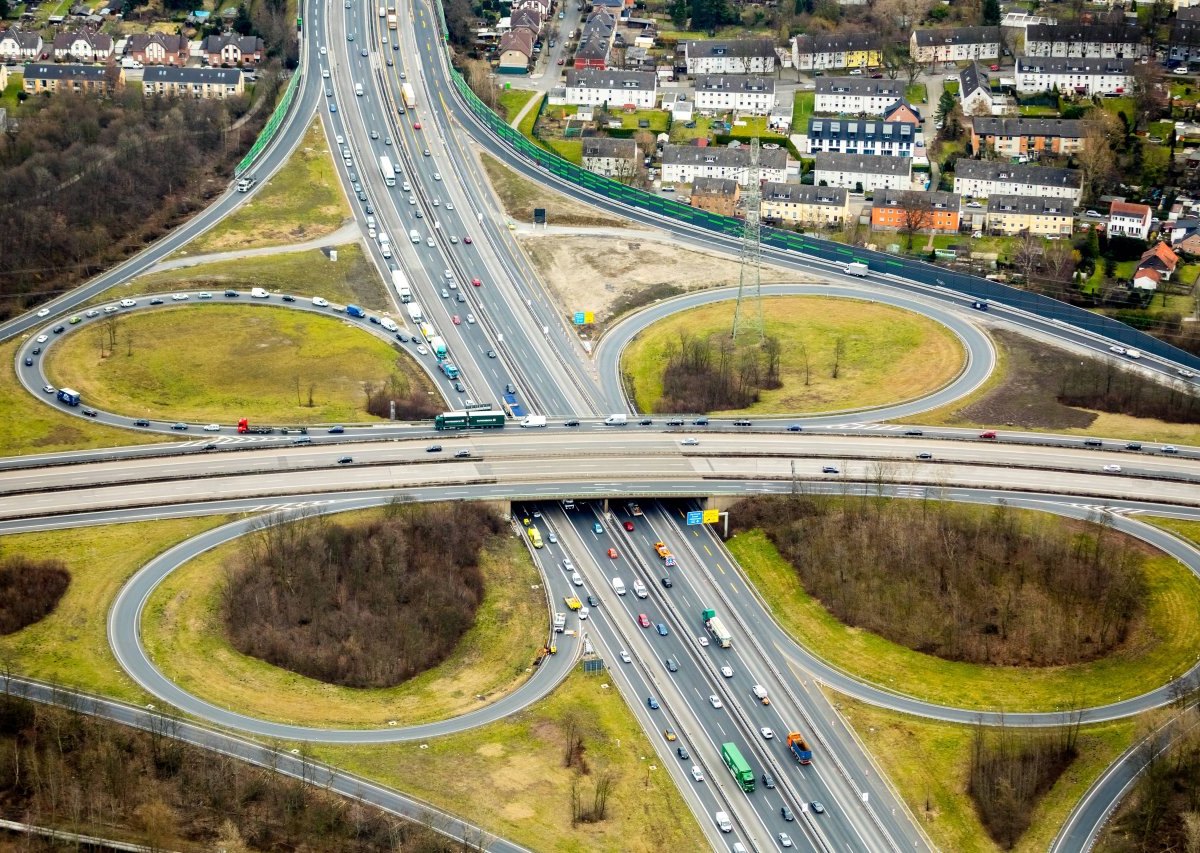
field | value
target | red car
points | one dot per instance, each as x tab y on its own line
629	526
456	320
993	68
416	125
612	553
476	281
560	62
467	239
991	433
643	620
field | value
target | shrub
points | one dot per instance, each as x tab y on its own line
29	591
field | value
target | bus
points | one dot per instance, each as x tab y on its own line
473	419
389	175
742	774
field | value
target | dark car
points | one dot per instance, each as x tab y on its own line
645	422
345	460
209	446
683	753
571	423
661	629
828	469
433	448
651	703
181	426
817	807
700	422
672	665
795	428
156	301
741	423
58	330
786	813
89	412
401	337
667	582
28	361
914	432
593	601
141	423
36	350
459	387
336	430
768	780
509	388
1133	445
231	294
924	455
287	297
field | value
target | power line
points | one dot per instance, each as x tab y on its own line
749	319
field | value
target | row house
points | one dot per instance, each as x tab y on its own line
744	93
936	212
986	178
682	164
837	50
1183	45
203	83
1013	137
1085	41
612	158
81	79
596	40
805	205
617	89
83	46
716	195
527	19
1070	75
1018	214
729	56
954	44
856	95
233	49
859	173
158	49
859	136
1126	219
16	45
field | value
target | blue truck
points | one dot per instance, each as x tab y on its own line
71	398
355	311
513	406
449	369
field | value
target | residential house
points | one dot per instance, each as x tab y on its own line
975	92
83	46
1183	45
542	7
743	93
1018	214
903	111
1129	220
1013	137
617	89
936	212
779	119
682	164
158	49
16	45
954	44
1161	259
233	49
860	173
83	79
516	50
612	158
729	56
527	19
859	136
856	95
1085	41
1070	75
716	195
1146	279
986	178
203	83
1190	245
596	39
813	51
805	205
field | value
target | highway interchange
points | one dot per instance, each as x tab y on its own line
537	353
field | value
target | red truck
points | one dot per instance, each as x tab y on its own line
244	426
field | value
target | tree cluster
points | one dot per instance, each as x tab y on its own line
1106	385
61	768
410	399
86	181
29	591
712	374
999	588
368	605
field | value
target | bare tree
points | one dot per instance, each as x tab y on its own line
916	214
839	351
1149	94
1097	161
807	364
1027	254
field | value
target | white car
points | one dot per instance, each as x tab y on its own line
128	303
41	339
727	671
689	442
322	50
1117	350
204	294
702	641
212	428
1185	373
449	205
715	701
625	656
320	302
412	199
766	732
429	242
49	389
552	538
437	176
1112	469
470	319
584	612
785	840
325	73
44	312
181	297
421	349
447	274
407	187
697	773
91	312
108	309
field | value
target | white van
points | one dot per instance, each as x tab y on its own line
639	589
414	235
618	586
259	293
389	324
616	420
534	421
358	89
723	822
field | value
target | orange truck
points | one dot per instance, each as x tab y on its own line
665	553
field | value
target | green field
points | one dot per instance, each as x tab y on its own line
891	355
803	106
70	646
302	201
183	631
1158	650
509	776
519	198
916	94
169	365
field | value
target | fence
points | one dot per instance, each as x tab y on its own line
272	126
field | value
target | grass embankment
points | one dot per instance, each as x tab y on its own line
1022	393
185	636
929	764
890	354
27	426
512	101
1189	530
519	197
70	646
1160	648
351	278
179	369
302	201
509	776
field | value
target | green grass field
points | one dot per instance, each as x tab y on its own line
519	197
916	94
180	370
302	201
509	776
183	630
70	646
658	120
351	278
891	355
1158	650
512	101
568	149
681	134
803	106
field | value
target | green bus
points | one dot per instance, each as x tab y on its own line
742	774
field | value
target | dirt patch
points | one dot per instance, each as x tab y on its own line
610	275
519	197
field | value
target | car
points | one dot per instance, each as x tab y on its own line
561	60
456	320
491	353
91	312
584	613
625	658
463	454
993	68
591	599
390	64
675	422
727	671
453	240
333	108
287	297
108	309
768	781
459	387
925	456
28	361
669	734
715	701
336	430
1180	70
612	553
914	432
345	460
1185	373
628	525
449	205
467	239
329	93
231	294
425	152
445	293
320	302
1117	350
374	134
1093	214
571	423
1169	448
767	733
817	807
89	412
1112	469
36	350
182	427
741	423
78	319
349	36
156	301
322	50
795	428
697	773
785	840
661	628
672	664
141	422
651	703
643	620
597	527
667	582
1133	445
44	312
476	282
212	428
645	422
41	339
689	442
420	215
437	176
702	641
325	73
433	448
829	469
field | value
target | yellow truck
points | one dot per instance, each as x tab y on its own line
573	602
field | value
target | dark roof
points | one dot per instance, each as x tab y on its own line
520	40
1063	127
937	200
529	19
900	104
610	78
768	158
862	130
838	42
1020	173
1084	33
56	71
714	186
606	146
178	74
706	48
98	41
596	35
735	83
246	44
804	194
971	78
957	35
865	164
862	86
1071	65
1038	205
1185	29
173	43
25	39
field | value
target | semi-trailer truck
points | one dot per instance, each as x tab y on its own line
450	369
799	747
438	346
415	313
385	169
717	628
400	283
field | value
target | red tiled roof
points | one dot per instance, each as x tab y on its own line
1124	208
